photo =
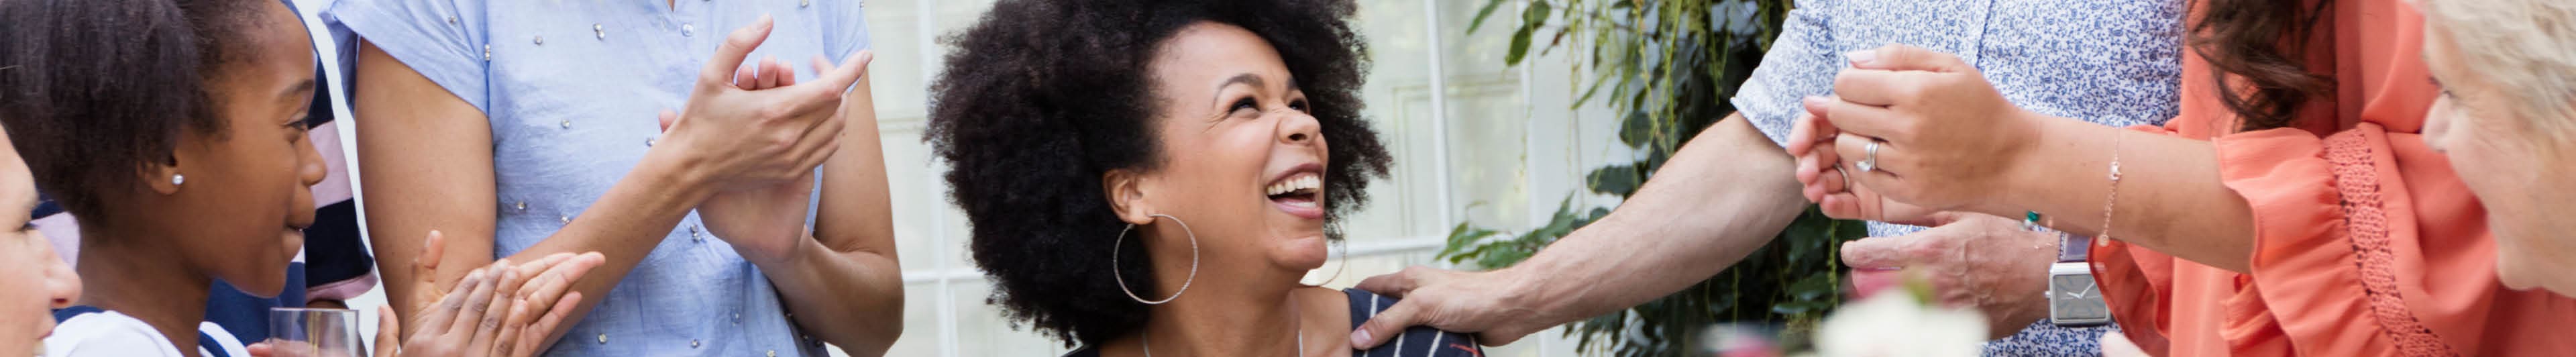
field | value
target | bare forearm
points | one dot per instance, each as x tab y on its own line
623	225
1725	194
845	284
2164	180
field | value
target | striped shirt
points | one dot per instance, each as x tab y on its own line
1415	342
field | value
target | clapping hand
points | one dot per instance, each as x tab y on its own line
499	310
765	224
738	139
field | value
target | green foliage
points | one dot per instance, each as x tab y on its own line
1669	67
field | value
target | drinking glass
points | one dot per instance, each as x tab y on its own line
310	332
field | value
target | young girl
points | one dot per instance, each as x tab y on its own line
176	131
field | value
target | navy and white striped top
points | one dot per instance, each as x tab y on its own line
1416	342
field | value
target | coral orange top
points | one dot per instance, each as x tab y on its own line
2366	243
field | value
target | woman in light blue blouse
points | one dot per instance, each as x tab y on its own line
523	128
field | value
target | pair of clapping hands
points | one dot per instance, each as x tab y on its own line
504	309
753	123
765	133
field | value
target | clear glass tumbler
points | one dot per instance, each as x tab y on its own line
309	332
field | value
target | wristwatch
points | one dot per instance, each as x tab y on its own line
2073	299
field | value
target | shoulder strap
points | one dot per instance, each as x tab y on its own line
66	314
207	343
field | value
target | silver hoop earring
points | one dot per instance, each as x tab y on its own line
176	179
1337	267
1122	278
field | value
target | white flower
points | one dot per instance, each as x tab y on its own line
1897	324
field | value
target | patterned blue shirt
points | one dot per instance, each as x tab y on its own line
571	90
2114	62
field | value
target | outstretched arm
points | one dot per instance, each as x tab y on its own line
1725	194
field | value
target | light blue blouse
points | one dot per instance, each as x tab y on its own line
572	89
2113	62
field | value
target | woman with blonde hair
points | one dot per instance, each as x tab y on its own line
2506	118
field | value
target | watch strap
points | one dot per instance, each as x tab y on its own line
2070	248
2073	248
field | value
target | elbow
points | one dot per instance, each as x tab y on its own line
884	330
872	331
873	319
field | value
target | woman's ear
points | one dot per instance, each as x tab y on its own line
1126	193
164	178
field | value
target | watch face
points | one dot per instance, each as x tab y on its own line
2073	298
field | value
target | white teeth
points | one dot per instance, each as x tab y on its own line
1305	182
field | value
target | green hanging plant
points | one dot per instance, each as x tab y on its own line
1670	67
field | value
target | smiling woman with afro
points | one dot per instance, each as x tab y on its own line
1157	175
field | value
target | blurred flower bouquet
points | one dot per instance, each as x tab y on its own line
1904	322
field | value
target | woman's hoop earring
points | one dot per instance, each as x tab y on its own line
1122	279
1337	267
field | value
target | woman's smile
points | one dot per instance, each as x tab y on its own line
1299	191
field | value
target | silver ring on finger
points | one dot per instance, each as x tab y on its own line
1846	178
1869	157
